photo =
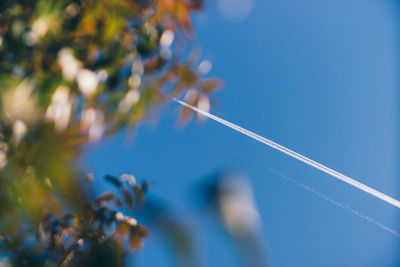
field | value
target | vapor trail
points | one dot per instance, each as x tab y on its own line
340	205
306	187
296	155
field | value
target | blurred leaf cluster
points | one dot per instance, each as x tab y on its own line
71	73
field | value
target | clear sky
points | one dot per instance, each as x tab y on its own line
320	77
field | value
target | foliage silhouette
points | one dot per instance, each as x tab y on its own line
71	73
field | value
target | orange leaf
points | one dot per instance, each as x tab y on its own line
211	84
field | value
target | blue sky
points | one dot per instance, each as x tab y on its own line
320	77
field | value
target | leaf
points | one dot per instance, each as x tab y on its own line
211	84
105	197
122	229
139	195
145	186
136	236
115	181
128	199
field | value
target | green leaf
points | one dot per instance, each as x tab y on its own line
114	181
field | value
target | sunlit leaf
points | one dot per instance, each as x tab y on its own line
136	235
210	85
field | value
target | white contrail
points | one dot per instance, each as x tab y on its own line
302	158
340	205
306	187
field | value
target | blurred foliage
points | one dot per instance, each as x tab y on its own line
229	196
71	73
